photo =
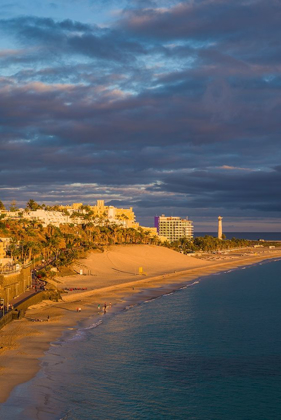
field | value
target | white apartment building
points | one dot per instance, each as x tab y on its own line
173	228
50	217
122	217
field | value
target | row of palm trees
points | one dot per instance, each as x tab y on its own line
30	240
207	243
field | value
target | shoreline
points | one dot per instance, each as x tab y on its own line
26	342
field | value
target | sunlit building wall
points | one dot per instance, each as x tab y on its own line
125	217
2	250
173	228
121	216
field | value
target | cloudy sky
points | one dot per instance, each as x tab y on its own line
170	107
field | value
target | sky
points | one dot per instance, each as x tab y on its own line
169	107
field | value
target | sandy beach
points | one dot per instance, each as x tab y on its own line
112	277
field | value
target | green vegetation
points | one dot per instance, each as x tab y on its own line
32	205
13	206
30	241
207	244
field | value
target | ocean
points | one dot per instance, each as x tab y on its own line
254	236
210	350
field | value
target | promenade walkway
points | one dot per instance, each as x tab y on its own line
21	298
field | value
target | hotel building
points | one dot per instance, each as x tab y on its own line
173	228
120	216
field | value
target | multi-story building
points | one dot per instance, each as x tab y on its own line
173	228
51	217
121	216
115	214
76	213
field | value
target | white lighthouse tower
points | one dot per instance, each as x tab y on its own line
220	227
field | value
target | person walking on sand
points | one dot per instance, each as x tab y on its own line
104	308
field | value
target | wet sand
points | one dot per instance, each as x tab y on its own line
112	277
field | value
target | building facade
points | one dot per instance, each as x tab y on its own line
75	212
102	212
12	285
173	228
122	216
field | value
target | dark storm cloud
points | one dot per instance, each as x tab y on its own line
78	104
69	37
231	189
173	108
32	27
206	19
56	121
245	29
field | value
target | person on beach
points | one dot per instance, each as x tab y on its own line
98	306
48	318
104	308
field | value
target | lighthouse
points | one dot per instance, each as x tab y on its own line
220	227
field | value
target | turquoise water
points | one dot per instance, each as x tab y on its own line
211	350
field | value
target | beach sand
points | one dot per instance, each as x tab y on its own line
112	277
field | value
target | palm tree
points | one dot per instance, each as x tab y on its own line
32	205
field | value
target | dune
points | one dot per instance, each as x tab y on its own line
120	264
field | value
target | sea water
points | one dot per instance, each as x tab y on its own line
210	350
251	236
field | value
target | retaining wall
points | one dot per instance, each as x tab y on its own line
22	307
6	319
14	284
